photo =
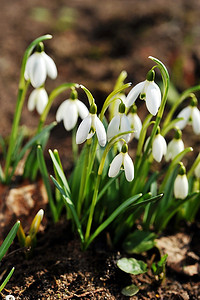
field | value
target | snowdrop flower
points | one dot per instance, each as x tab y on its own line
159	147
70	109
190	113
119	124
38	66
89	126
181	184
38	99
149	91
197	170
175	146
122	159
135	122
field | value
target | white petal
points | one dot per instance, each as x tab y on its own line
153	98
159	147
136	124
196	120
61	110
32	100
28	67
83	130
50	65
42	100
70	115
174	148
125	126
181	187
128	167
113	127
134	93
82	109
37	71
197	171
115	165
185	113
100	131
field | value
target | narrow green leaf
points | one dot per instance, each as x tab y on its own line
28	145
61	174
45	177
132	266
8	240
70	204
6	279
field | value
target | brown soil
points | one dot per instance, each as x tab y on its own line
93	41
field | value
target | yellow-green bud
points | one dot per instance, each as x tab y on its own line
151	75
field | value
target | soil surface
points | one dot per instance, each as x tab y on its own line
93	41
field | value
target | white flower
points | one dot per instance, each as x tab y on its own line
119	124
38	66
174	148
135	123
69	111
189	113
88	127
181	186
159	147
197	171
38	99
147	90
122	159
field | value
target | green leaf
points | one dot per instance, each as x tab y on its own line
6	279
28	145
45	177
130	290
70	204
139	241
132	266
61	174
8	240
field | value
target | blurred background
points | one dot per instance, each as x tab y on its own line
93	41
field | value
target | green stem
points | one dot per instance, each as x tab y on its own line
83	183
92	207
15	126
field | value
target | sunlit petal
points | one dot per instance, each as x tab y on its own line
60	114
136	124
159	147
115	165
185	113
50	65
181	187
134	93
32	100
113	127
83	130
100	131
196	120
38	71
153	98
41	101
82	109
125	126
71	115
128	167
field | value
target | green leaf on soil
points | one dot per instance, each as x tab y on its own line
130	290
139	241
132	266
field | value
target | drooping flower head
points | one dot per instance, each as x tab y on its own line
175	146
181	184
122	160
149	91
38	66
135	122
119	124
89	126
38	99
190	114
159	146
70	109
